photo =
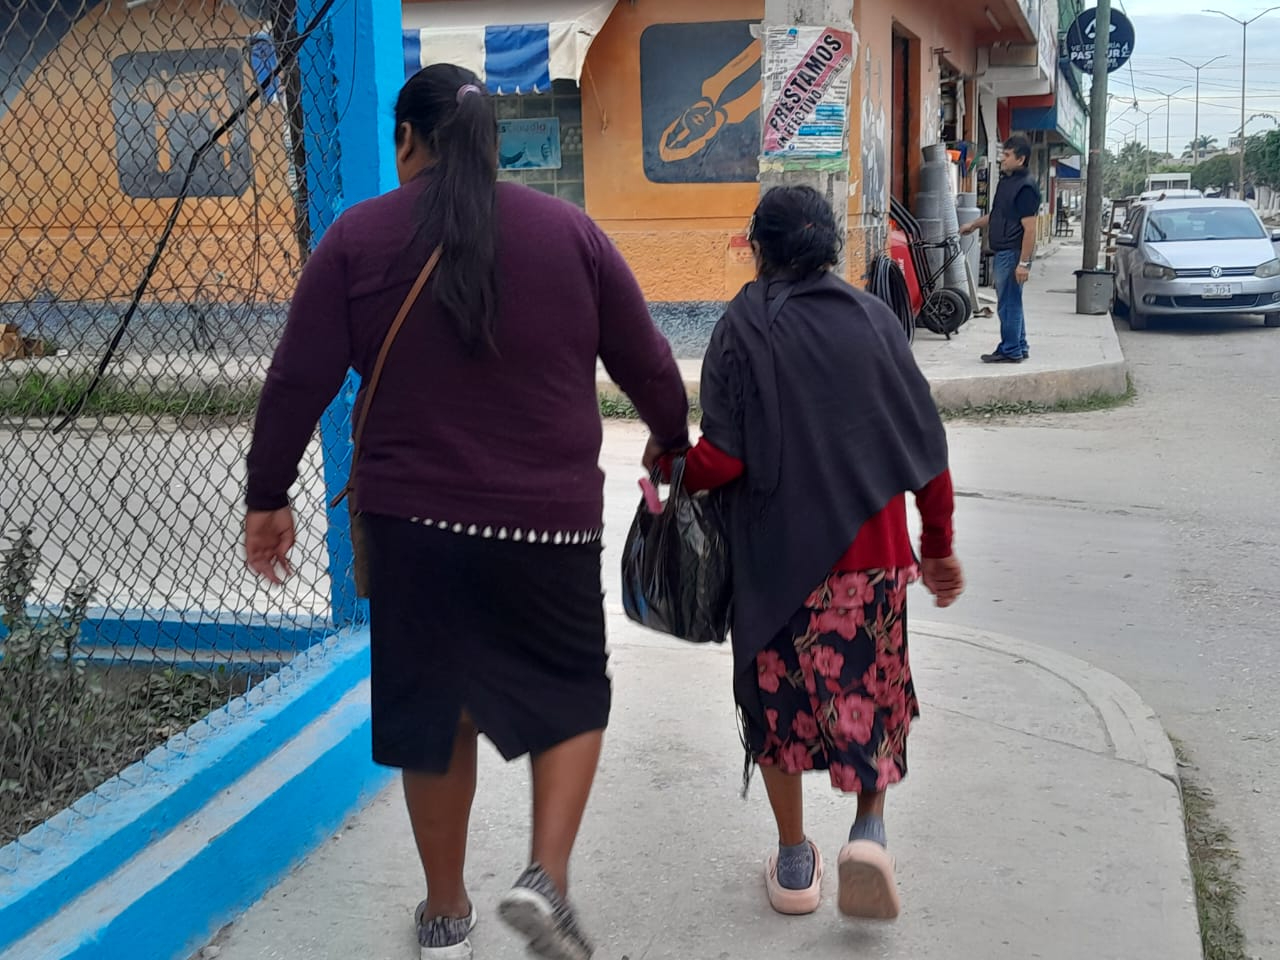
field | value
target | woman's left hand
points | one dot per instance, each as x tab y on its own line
944	578
268	538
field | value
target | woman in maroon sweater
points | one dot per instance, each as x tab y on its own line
816	423
478	483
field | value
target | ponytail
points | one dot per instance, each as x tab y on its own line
447	108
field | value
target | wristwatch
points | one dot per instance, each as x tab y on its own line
1025	263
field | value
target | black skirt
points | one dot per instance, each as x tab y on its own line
512	633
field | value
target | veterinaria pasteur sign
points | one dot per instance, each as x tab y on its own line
806	90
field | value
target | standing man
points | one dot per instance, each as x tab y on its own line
1012	221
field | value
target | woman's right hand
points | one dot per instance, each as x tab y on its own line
268	538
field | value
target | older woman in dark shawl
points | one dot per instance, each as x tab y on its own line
816	423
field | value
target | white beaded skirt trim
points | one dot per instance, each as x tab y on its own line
517	534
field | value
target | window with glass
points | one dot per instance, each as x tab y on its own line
541	140
1202	223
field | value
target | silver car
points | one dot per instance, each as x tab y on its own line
1189	256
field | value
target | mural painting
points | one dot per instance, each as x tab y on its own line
32	30
167	106
700	93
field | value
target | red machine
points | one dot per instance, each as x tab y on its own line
900	251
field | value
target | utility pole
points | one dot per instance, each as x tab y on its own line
824	40
1244	71
1195	144
1097	136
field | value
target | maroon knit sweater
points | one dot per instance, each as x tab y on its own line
507	441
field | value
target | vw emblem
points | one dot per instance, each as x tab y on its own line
1215	272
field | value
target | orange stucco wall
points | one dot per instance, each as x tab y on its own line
679	238
67	227
685	241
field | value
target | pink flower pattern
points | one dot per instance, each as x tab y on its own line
836	683
771	669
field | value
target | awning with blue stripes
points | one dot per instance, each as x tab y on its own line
550	44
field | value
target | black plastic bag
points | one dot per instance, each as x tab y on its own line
675	566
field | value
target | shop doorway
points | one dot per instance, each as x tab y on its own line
904	95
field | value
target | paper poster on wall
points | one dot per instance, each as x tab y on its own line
807	72
531	143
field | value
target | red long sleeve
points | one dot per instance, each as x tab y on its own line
706	467
937	504
883	540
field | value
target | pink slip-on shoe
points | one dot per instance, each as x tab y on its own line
867	885
793	902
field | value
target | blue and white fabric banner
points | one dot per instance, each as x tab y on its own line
521	58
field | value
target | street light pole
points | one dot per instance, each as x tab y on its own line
1147	115
1195	144
1244	67
1168	111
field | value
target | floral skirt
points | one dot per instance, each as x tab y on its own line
835	684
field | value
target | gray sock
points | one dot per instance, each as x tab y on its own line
869	828
795	866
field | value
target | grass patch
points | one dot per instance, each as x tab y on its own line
1214	865
617	406
69	726
1006	408
44	395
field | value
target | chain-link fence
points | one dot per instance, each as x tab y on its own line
154	213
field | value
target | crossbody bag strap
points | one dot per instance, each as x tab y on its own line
376	376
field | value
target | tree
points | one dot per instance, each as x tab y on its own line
1262	158
1204	144
1215	173
1125	174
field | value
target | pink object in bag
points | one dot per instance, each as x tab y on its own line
652	501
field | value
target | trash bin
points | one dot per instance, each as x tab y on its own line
1093	291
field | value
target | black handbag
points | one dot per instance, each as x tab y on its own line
676	575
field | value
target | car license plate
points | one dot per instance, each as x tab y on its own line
1216	291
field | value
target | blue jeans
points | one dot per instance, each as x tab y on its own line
1013	324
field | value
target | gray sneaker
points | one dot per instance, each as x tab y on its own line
535	909
444	938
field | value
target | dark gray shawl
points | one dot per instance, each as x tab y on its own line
813	386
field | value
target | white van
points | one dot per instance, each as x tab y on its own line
1166	182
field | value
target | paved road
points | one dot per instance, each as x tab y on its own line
1146	540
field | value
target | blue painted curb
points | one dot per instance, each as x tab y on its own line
43	870
139	633
174	896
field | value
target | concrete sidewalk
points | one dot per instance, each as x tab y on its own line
1073	356
1040	819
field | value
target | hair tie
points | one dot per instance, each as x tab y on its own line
466	90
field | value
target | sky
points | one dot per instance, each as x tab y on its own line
1165	29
